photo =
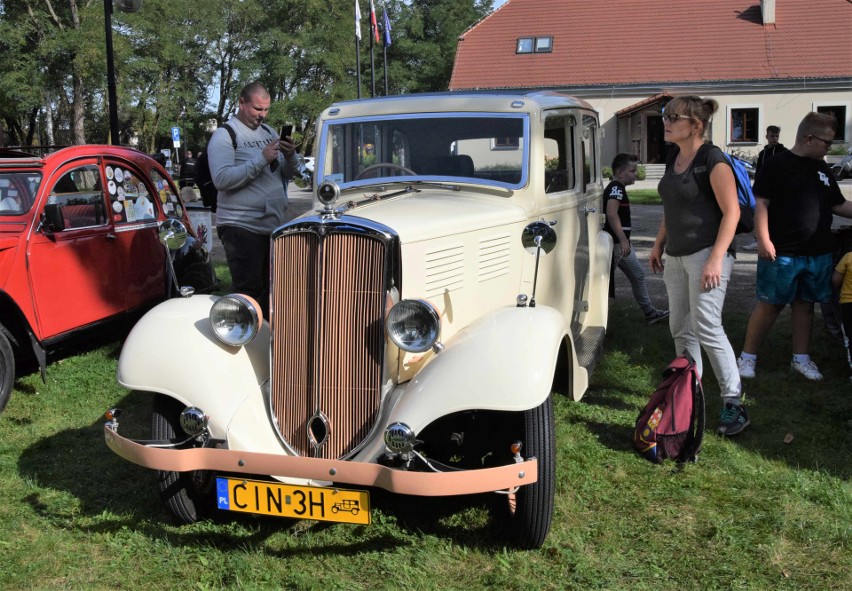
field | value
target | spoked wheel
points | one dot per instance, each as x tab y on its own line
531	507
7	369
188	495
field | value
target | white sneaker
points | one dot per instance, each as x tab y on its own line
746	367
809	369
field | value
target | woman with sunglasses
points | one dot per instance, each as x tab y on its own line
697	235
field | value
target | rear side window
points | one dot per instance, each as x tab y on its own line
130	196
17	191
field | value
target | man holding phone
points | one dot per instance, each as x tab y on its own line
251	179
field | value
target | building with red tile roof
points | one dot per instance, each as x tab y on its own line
765	62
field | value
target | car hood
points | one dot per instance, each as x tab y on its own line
436	213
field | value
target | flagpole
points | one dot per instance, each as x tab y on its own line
386	41
358	45
372	68
385	52
358	64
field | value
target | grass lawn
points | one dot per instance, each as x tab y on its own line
644	196
771	509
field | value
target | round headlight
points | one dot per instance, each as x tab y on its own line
235	319
414	325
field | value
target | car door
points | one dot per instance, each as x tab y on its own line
75	275
566	205
135	204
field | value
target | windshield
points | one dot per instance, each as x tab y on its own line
17	191
482	148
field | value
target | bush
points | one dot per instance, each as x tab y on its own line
838	150
606	172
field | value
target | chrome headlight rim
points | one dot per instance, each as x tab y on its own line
428	332
235	319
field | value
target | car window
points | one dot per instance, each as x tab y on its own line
168	197
130	198
484	148
80	193
559	158
17	191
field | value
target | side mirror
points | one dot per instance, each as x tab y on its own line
173	234
52	219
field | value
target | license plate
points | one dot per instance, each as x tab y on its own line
296	502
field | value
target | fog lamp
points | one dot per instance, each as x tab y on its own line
414	325
399	438
235	319
193	421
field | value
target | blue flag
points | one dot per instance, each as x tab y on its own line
386	25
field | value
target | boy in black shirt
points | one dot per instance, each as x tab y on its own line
617	208
796	197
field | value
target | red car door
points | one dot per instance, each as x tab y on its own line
135	205
75	274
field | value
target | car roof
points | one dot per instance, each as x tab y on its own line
15	158
472	101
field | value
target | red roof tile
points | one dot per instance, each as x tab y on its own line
656	42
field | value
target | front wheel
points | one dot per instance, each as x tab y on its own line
7	369
531	507
188	495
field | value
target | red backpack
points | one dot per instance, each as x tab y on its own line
672	423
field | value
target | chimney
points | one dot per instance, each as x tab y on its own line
767	9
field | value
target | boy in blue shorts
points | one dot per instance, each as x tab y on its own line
796	195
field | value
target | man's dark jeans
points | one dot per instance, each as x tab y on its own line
247	254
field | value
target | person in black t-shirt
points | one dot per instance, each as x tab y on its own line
773	147
796	196
187	171
617	208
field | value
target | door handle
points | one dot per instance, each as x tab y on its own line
110	236
590	209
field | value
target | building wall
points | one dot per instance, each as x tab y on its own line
782	109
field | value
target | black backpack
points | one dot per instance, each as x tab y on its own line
203	178
672	423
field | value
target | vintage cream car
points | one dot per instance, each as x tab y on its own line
453	270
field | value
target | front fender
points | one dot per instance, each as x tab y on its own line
504	361
170	351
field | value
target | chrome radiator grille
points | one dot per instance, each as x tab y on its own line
328	339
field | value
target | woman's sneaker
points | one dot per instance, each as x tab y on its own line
732	420
656	316
746	367
809	369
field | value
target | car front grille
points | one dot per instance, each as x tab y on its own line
329	286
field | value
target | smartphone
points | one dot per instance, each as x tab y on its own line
287	131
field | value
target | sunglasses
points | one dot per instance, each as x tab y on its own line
673	117
826	142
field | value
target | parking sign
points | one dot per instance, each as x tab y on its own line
175	134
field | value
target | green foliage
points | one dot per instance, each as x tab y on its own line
838	150
183	63
641	172
754	513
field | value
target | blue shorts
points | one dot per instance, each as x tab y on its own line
787	279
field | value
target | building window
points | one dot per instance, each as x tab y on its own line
543	44
534	44
744	125
525	45
839	112
505	143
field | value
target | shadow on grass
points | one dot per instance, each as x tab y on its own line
112	495
805	424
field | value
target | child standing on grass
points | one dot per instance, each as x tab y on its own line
617	208
842	281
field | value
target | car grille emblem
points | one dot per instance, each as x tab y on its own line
318	431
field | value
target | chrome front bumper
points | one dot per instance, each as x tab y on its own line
427	484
